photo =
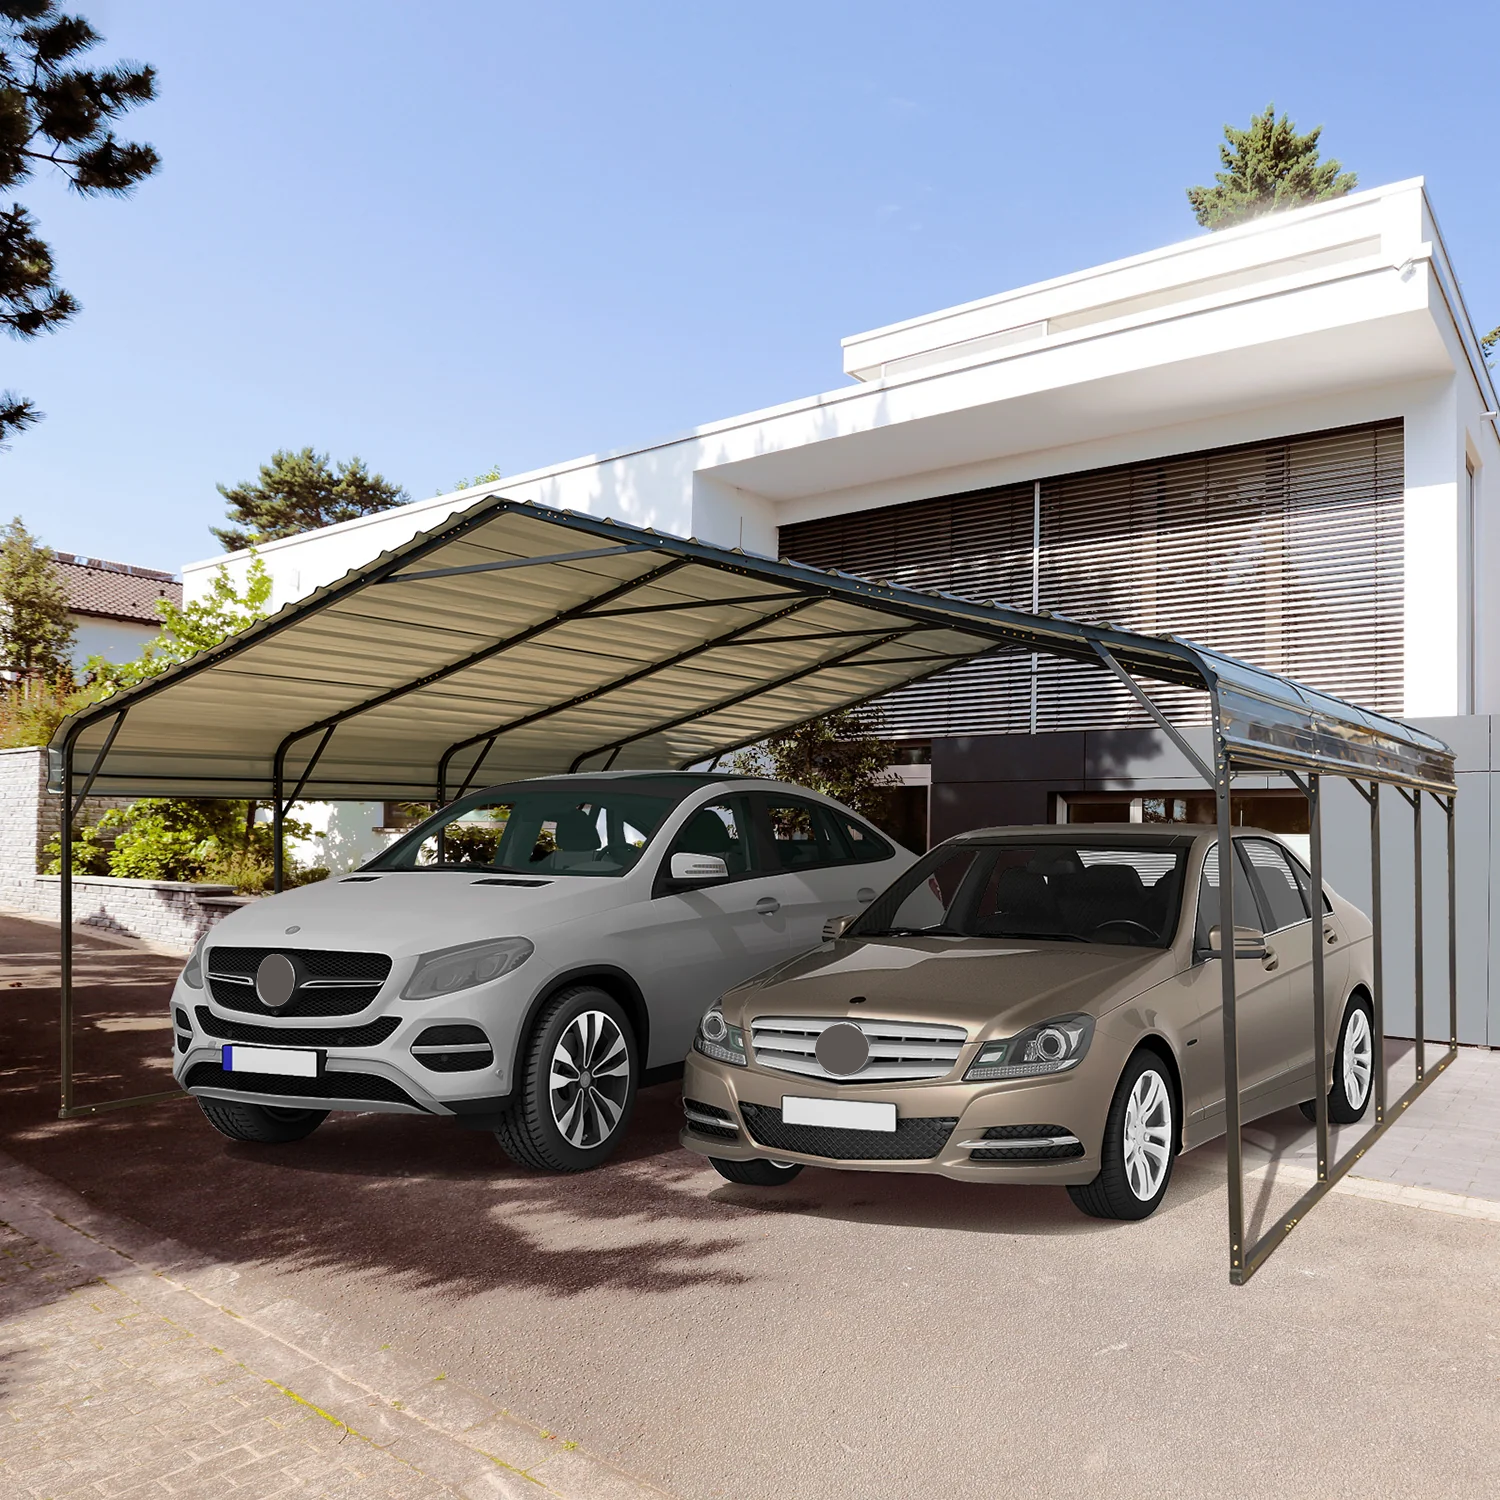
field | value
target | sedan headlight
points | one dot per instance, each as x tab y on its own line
460	968
193	971
1053	1047
716	1038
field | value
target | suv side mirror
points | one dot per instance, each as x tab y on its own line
699	867
1249	942
834	928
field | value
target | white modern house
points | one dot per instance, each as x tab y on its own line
1278	440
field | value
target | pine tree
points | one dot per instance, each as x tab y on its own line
54	112
36	635
299	492
1267	167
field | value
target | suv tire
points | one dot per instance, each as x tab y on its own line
1139	1145
266	1124
757	1173
575	1126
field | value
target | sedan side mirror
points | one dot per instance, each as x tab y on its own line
1249	942
834	928
699	867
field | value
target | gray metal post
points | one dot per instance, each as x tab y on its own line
1320	1004
1421	964
1377	952
278	817
1450	803
1233	1146
65	932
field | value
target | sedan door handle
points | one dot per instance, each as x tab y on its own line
768	906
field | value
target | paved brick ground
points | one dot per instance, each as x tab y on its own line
101	1395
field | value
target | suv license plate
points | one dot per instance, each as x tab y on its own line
291	1062
844	1114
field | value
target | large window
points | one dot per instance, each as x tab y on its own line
1287	553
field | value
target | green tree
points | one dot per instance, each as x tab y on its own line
299	492
1267	167
190	628
55	113
840	754
1488	342
488	477
36	635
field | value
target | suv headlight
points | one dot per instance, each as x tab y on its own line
462	967
192	972
1053	1047
716	1038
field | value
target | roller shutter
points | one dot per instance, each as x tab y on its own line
1288	554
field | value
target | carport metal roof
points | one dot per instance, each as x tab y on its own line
518	640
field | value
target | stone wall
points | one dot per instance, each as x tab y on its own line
170	914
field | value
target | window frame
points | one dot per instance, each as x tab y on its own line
1262	899
663	884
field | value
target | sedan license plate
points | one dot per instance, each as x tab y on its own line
845	1114
290	1062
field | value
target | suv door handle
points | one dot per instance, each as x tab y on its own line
1270	961
1330	934
768	906
865	894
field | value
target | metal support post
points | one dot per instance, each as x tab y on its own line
1234	1147
1377	954
1450	804
1319	996
278	819
1421	963
65	934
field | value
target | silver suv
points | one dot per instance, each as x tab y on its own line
519	960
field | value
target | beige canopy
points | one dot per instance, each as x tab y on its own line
517	640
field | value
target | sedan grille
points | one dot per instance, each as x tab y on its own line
912	1139
898	1049
1025	1143
332	983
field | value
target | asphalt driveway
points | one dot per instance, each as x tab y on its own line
849	1335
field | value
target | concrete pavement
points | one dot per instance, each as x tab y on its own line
849	1335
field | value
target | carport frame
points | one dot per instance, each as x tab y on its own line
1260	722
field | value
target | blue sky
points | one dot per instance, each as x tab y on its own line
461	234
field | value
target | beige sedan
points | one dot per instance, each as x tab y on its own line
1038	1005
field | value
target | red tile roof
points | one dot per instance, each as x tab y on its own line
114	590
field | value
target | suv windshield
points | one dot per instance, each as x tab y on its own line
1081	893
548	831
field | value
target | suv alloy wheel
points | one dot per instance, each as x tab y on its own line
576	1084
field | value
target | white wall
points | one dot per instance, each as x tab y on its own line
114	640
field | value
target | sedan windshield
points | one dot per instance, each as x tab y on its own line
546	831
1080	893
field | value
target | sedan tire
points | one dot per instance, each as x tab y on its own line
1353	1067
576	1087
266	1124
1140	1143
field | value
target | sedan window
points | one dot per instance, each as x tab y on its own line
1246	912
1081	893
1280	890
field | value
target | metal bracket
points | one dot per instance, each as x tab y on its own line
517	562
1165	724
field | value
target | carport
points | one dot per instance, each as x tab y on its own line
516	640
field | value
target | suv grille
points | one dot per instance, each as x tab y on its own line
912	1140
333	983
206	1075
371	1034
454	1048
898	1049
